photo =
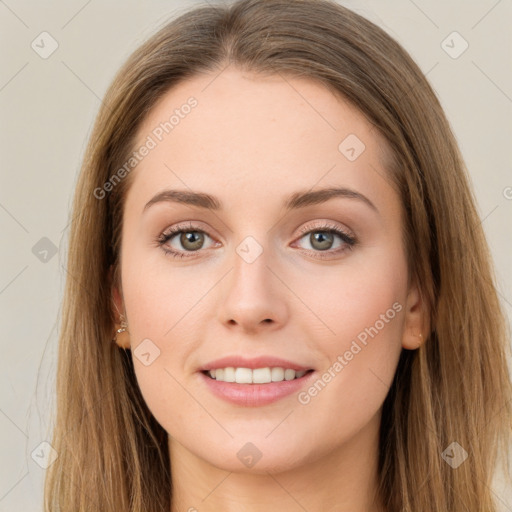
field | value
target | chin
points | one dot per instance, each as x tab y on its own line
270	464
259	456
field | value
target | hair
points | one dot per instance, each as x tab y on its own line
113	454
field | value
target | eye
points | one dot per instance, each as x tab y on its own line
325	241
328	239
189	239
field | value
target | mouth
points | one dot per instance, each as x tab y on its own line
255	387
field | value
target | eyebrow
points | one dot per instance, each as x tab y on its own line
293	202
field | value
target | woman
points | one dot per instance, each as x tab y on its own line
273	222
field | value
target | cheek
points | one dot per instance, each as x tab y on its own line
163	307
363	307
360	298
158	297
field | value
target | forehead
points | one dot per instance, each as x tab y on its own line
238	131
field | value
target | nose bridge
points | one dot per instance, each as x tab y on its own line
250	272
251	296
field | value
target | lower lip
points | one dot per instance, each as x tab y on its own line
255	395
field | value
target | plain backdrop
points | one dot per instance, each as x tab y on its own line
47	108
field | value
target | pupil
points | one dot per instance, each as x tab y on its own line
191	237
323	238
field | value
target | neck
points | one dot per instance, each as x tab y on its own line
342	480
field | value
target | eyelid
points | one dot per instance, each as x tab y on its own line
325	225
307	228
191	225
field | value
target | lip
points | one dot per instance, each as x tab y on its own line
256	362
255	395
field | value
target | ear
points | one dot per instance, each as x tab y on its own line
118	311
116	295
117	303
416	326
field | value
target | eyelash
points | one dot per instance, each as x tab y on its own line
350	241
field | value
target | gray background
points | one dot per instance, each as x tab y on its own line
47	108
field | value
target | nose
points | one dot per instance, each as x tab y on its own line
253	298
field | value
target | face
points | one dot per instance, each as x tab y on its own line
293	260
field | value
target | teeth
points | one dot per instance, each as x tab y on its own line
277	374
256	376
229	375
243	376
259	375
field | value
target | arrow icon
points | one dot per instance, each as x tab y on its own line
454	45
249	455
44	45
351	147
454	455
44	250
249	249
44	455
146	352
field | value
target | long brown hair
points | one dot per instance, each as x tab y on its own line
112	453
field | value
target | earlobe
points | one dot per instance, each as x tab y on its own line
414	342
415	323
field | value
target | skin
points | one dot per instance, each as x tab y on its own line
252	141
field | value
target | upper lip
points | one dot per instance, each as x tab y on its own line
256	362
